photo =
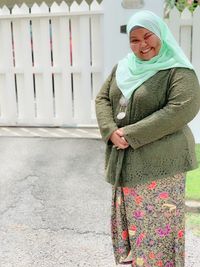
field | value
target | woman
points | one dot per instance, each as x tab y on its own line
142	110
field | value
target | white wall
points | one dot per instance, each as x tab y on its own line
116	43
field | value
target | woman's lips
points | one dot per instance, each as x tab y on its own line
146	51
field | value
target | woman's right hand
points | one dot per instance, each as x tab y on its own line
118	140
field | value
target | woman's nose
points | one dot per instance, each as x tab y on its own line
143	43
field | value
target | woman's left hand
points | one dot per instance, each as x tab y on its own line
120	132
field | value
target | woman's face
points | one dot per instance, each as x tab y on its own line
144	43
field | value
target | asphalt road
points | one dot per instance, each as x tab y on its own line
55	205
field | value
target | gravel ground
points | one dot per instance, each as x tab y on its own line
55	205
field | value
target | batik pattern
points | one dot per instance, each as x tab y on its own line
148	223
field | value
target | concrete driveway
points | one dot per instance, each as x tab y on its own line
55	205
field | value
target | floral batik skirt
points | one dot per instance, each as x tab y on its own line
148	223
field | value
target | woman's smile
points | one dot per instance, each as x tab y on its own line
146	51
144	43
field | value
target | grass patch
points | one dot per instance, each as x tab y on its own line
193	180
193	222
193	192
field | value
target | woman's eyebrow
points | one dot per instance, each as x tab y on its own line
133	36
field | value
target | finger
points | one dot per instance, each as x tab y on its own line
123	146
119	132
119	141
123	142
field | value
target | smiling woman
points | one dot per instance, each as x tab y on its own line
144	43
143	109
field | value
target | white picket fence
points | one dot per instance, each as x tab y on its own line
186	29
51	64
54	60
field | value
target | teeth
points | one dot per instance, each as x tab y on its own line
145	51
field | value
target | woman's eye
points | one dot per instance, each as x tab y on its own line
146	37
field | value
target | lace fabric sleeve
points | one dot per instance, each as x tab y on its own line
182	106
104	111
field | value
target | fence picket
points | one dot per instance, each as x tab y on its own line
64	6
23	66
84	6
84	95
186	33
95	6
35	9
80	30
74	7
44	8
55	8
174	23
8	106
96	52
4	11
61	66
42	65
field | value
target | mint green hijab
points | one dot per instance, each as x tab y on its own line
132	72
